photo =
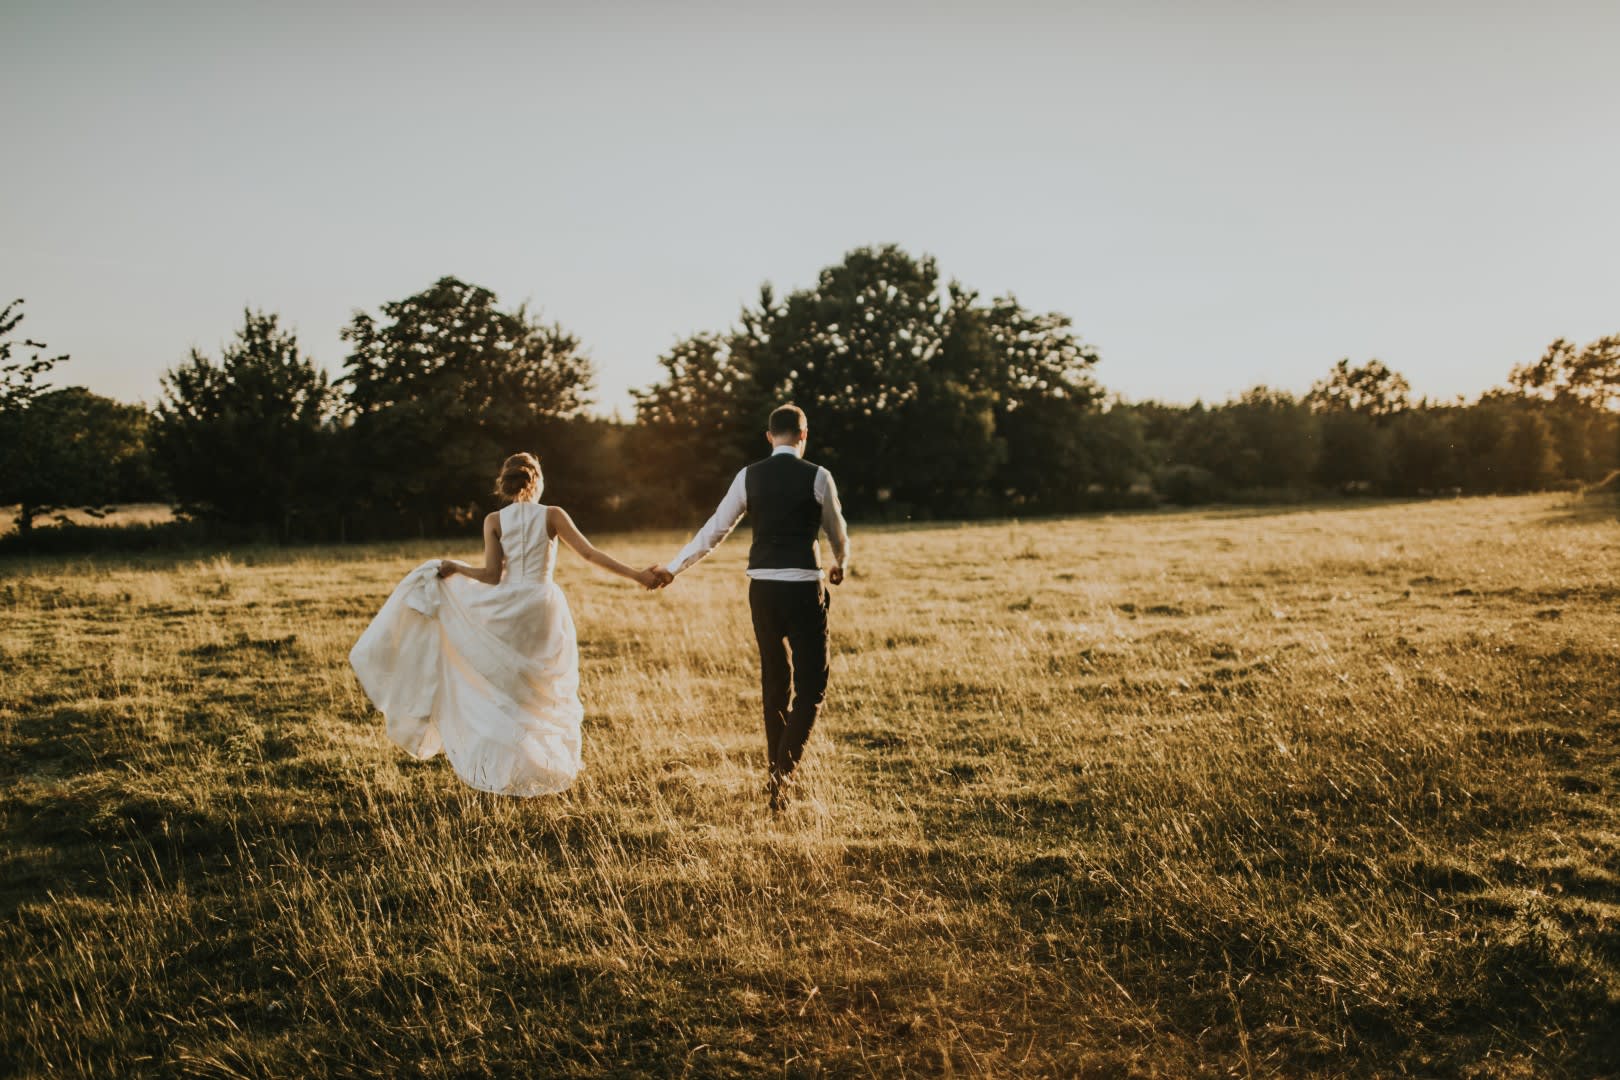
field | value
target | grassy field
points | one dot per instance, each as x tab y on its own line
1296	792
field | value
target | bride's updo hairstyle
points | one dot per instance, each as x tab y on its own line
519	478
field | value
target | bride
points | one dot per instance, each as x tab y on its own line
481	661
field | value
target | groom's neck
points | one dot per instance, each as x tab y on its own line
795	445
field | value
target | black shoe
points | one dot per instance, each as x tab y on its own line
777	789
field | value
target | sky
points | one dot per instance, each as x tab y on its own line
1220	194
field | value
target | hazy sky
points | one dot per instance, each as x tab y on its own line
1219	193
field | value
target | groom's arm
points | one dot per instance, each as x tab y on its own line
716	529
832	523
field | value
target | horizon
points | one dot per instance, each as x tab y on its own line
1218	199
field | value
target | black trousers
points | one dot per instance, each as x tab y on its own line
790	617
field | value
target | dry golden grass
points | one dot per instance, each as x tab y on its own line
1323	791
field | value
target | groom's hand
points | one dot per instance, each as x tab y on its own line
660	576
836	575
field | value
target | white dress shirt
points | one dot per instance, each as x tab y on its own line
735	505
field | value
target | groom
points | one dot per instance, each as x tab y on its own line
790	501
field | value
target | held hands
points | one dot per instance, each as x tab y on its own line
655	577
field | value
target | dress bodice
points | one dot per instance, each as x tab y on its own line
530	553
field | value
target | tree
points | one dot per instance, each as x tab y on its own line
893	412
917	392
1059	442
22	440
1576	387
1372	390
1355	452
442	386
1160	426
1481	435
1530	461
1504	445
68	448
1210	440
1063	455
1589	374
700	421
1577	437
1422	457
19	379
247	440
1280	437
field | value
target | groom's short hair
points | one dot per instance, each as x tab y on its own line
788	420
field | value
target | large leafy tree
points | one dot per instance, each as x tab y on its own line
443	384
1058	441
893	412
69	448
915	389
246	439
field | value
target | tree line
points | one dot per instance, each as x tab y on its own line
926	399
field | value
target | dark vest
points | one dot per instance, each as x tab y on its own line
782	505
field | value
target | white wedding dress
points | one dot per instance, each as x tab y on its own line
487	673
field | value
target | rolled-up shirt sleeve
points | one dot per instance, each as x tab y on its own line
717	528
832	518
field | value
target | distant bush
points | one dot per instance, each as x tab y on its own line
1187	485
1134	499
1277	496
76	539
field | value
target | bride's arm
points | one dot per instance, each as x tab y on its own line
562	526
494	557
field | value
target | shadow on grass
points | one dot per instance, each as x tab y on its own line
1591	509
